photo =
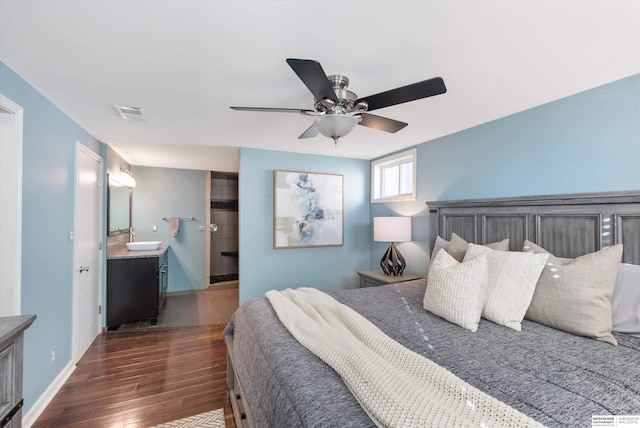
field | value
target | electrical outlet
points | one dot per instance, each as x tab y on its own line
201	228
52	354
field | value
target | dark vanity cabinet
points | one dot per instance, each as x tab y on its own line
136	288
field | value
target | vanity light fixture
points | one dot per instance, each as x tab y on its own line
125	178
392	229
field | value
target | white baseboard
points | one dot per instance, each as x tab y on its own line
41	403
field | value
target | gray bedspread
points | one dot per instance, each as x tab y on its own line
556	378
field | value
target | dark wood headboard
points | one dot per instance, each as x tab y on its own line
565	225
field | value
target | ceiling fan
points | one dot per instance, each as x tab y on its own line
338	110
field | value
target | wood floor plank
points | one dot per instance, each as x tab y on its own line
136	379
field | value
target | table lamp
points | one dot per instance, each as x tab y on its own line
392	229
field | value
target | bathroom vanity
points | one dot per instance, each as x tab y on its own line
136	285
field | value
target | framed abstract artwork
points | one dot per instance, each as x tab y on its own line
308	209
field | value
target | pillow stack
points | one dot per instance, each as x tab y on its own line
495	284
468	281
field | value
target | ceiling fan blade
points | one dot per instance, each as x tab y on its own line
314	77
404	94
274	109
381	123
311	132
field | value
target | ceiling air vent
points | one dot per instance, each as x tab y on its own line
133	113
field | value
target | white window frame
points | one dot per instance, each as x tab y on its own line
378	166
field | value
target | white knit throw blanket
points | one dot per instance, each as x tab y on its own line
394	385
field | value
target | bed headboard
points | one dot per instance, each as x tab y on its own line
565	225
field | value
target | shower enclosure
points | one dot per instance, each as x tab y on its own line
223	227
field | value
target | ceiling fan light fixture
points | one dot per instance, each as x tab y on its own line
336	125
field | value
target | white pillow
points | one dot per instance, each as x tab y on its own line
455	290
512	280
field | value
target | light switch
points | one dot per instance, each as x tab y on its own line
154	228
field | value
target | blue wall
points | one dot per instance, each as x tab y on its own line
173	192
588	142
328	268
49	149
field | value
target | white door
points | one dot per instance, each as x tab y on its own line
10	206
88	250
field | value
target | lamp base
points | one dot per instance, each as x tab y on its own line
392	262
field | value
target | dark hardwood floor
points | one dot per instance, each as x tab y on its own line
141	377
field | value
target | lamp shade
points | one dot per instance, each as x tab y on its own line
392	229
335	125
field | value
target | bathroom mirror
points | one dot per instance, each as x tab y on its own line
119	209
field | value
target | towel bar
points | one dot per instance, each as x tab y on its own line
181	218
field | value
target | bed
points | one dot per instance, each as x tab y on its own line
555	377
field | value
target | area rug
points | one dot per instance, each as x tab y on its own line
212	419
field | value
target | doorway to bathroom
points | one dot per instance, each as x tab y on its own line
222	245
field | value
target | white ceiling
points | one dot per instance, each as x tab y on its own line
185	62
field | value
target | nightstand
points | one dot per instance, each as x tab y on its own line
375	277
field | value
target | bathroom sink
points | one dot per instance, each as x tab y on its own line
143	245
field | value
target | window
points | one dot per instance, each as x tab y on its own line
394	178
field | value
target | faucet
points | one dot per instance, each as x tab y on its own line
131	234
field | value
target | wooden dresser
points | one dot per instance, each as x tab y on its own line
11	356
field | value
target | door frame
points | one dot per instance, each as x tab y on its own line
207	235
11	167
100	224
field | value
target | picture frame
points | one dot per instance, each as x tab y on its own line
308	209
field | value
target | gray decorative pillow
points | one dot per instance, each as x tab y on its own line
575	295
512	280
440	243
458	246
625	303
456	290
